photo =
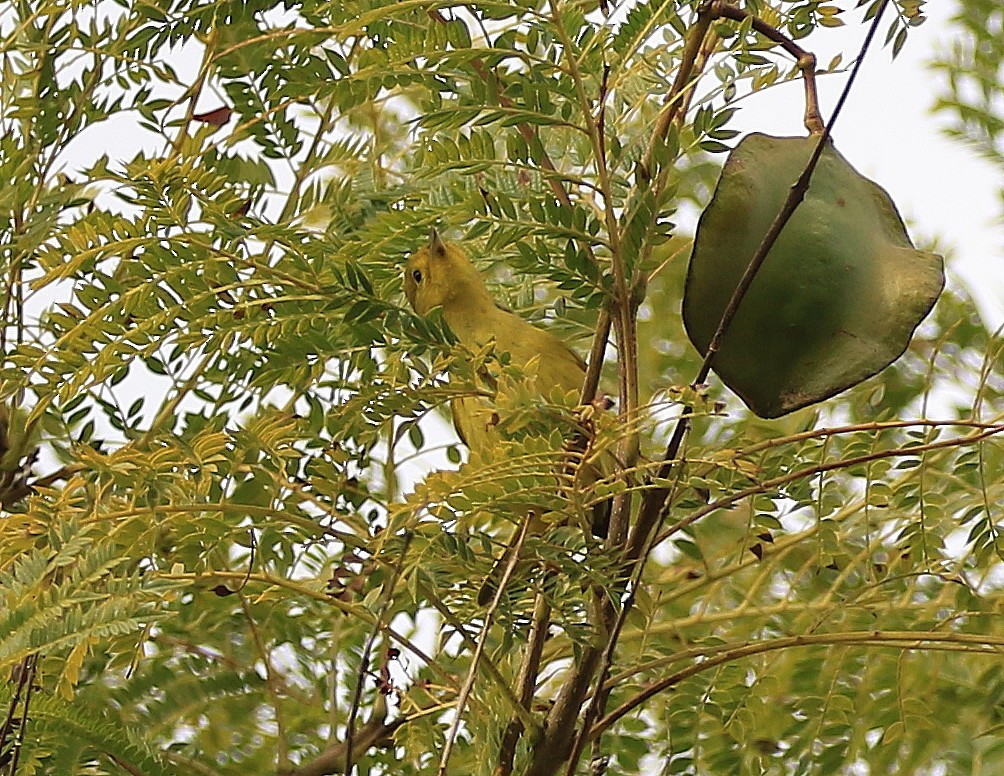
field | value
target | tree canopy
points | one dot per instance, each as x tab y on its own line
238	533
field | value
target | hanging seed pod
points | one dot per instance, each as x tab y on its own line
839	294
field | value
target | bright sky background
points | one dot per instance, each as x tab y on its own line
887	131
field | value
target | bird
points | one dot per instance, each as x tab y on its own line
441	275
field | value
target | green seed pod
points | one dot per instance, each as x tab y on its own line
839	294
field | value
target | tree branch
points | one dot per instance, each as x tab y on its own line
472	673
527	681
805	60
335	759
727	653
378	625
655	503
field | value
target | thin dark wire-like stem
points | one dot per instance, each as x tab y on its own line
26	681
654	500
795	196
903	640
655	503
591	382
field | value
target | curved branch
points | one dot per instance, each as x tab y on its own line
655	503
896	639
822	468
805	60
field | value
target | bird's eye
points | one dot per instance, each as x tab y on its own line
416	275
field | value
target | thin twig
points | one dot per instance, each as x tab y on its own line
594	366
674	99
193	94
527	681
27	681
489	666
364	661
271	685
805	60
465	690
561	743
875	425
334	759
822	468
553	178
653	504
727	653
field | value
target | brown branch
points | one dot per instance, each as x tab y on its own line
63	473
533	141
690	65
726	654
594	366
556	746
336	758
708	46
527	681
595	661
822	468
553	178
805	60
623	322
128	767
671	108
655	503
13	728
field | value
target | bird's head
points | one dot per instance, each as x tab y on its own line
439	274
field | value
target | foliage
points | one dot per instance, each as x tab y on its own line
249	549
973	68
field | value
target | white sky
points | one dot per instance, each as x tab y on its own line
887	131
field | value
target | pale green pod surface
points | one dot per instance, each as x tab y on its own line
839	295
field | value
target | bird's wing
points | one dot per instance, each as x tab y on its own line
558	364
472	419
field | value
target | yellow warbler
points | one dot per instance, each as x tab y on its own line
441	275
